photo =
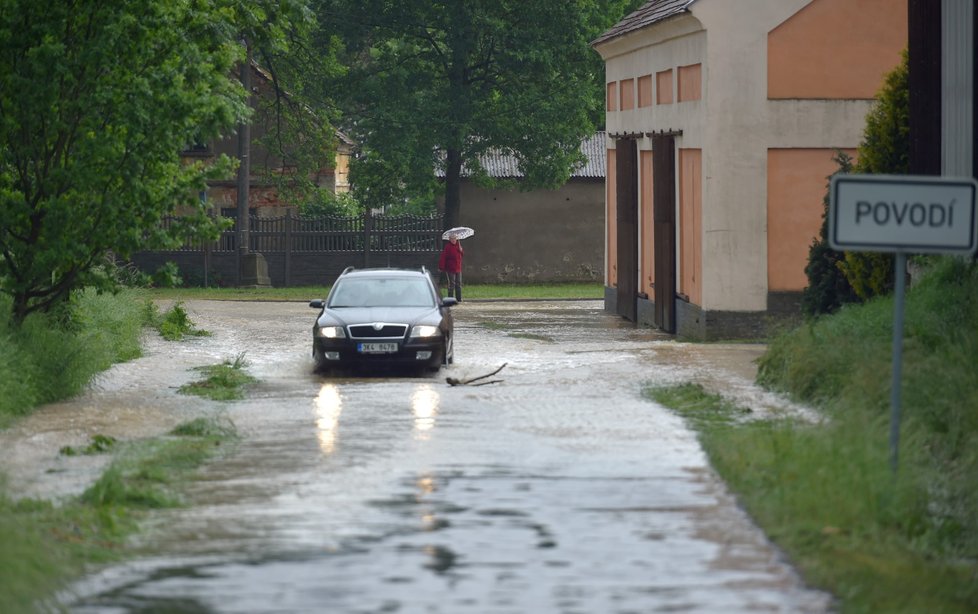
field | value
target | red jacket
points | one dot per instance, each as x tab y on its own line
451	258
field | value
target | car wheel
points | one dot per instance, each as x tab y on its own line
448	353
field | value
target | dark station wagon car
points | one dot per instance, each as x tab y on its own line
383	318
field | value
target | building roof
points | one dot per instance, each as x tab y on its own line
499	165
649	13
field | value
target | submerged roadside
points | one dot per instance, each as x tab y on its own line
47	541
824	489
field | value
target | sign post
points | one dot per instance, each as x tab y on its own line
902	214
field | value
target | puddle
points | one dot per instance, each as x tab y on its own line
558	489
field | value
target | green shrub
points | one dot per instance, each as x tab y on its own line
828	289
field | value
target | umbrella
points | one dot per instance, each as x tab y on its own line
459	232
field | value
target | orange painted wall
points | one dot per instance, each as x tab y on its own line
797	180
611	198
646	235
663	87
690	82
627	94
691	224
611	97
836	49
645	91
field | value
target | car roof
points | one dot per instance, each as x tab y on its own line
383	272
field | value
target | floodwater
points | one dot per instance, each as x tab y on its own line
558	488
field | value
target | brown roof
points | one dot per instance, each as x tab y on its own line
649	13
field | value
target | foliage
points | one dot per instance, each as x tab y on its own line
223	382
325	203
828	289
98	445
174	324
43	361
167	276
45	545
824	493
843	364
885	148
432	84
293	119
97	99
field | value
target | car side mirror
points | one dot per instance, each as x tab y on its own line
318	303
449	301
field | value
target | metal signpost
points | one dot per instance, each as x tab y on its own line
902	214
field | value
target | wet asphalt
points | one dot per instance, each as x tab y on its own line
557	489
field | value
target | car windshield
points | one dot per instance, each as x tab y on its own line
381	292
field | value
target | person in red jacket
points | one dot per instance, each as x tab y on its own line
450	261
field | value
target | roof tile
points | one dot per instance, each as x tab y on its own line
646	15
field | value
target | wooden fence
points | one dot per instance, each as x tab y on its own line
306	250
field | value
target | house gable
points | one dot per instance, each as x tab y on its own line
836	49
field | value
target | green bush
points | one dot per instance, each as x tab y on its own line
828	289
835	279
885	149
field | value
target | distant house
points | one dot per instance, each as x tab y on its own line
263	198
538	235
722	119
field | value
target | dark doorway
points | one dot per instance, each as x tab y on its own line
626	173
664	230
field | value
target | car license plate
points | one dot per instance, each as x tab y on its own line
376	348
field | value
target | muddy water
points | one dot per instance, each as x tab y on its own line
557	489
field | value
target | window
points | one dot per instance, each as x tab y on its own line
627	94
611	104
645	91
663	87
690	82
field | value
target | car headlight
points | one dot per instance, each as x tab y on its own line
425	330
331	332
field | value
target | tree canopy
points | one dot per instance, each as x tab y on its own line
97	101
432	84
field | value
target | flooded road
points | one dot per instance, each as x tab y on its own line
558	489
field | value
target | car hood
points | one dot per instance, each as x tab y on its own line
365	315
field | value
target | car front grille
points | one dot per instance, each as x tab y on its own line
371	331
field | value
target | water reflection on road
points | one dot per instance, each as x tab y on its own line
558	489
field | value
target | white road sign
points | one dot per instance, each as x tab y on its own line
909	213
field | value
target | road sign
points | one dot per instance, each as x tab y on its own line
903	213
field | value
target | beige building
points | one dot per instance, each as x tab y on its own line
722	121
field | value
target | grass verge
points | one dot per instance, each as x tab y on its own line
879	541
475	291
54	356
45	545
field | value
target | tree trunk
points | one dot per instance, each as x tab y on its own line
453	187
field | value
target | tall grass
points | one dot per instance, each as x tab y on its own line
52	356
44	544
879	540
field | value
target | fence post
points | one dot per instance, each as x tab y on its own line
288	247
368	219
207	251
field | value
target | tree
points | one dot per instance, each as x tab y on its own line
97	99
435	83
828	289
885	148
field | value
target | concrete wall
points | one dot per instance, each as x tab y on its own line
536	236
752	104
